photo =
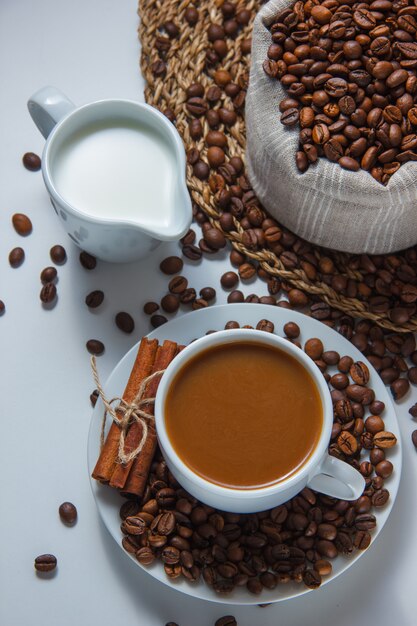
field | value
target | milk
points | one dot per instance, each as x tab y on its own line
117	169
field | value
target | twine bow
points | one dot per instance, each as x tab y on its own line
125	414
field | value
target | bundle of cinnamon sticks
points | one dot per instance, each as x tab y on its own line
130	478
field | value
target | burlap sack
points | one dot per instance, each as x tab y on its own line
326	205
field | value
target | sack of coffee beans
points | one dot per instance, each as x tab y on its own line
331	121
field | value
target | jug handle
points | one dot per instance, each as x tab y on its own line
47	106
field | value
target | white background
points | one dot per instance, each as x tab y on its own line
89	49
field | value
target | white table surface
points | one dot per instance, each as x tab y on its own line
89	49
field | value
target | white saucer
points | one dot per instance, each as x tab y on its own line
182	330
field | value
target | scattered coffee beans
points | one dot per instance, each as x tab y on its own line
125	322
58	255
171	265
22	224
68	513
170	303
88	261
94	299
45	563
31	161
158	320
94	346
229	280
16	257
48	275
150	307
48	293
94	397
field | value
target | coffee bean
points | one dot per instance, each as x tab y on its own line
313	348
45	563
384	439
399	388
170	303
215	238
94	298
2	307
178	284
68	513
22	224
191	252
48	293
88	261
171	265
31	161
124	322
94	346
16	257
265	325
58	255
150	307
226	620
229	280
158	320
349	164
235	297
292	330
94	395
414	438
208	293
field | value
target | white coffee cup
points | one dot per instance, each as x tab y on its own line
115	173
321	472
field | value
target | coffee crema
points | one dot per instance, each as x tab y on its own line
243	415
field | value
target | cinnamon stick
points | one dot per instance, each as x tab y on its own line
136	476
141	369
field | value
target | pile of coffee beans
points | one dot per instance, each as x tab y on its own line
293	542
350	74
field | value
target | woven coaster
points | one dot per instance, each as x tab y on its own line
170	63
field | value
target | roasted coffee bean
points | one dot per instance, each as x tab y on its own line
215	238
384	439
124	322
58	255
45	563
94	397
265	325
16	257
171	265
229	280
48	293
226	620
158	320
208	293
414	438
399	388
68	513
22	224
94	346
31	161
93	299
292	330
191	252
150	307
314	348
88	261
170	303
359	373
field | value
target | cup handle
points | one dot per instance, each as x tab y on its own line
338	479
47	106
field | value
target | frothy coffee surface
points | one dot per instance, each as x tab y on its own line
243	415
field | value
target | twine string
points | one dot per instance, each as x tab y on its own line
125	414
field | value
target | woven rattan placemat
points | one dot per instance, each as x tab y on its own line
378	288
